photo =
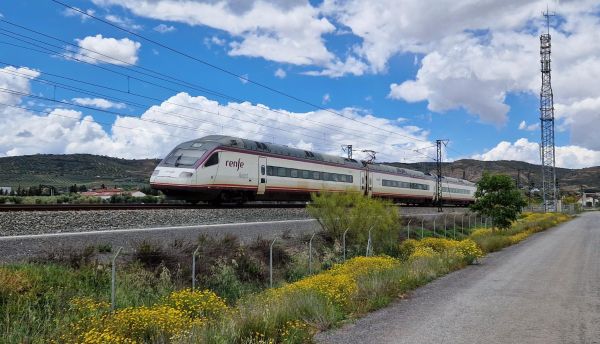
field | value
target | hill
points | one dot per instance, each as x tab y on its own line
530	175
69	169
94	170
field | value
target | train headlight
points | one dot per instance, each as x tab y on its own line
185	174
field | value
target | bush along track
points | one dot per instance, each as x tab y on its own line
294	312
291	313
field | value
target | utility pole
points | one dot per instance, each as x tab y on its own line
438	183
349	151
547	147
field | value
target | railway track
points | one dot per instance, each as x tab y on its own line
109	206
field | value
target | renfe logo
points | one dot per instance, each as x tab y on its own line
236	164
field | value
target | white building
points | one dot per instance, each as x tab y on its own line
5	189
588	200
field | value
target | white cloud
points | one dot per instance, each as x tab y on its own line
99	103
570	156
326	98
582	117
529	127
280	73
116	51
214	40
70	131
478	61
289	31
163	28
123	22
11	78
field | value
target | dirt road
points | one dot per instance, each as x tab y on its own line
544	290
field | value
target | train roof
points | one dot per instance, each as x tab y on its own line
458	181
282	150
399	170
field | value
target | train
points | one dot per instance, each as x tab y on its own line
224	169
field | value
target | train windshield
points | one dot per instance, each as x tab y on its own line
183	157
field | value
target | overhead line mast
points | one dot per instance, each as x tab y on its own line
547	147
438	180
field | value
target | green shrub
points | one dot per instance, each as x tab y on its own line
337	212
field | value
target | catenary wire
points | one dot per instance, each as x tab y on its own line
173	80
226	71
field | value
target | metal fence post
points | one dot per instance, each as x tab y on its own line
409	228
454	229
445	228
113	280
194	267
469	221
434	220
310	253
422	221
462	224
271	263
369	242
486	219
344	242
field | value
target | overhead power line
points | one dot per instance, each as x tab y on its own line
51	113
226	71
144	106
128	77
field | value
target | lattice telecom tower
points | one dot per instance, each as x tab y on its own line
547	148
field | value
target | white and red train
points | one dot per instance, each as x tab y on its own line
228	169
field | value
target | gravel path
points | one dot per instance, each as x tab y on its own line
38	222
544	290
23	247
42	222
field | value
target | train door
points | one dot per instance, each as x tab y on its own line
363	182
262	175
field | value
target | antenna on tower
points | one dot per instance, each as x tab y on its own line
547	147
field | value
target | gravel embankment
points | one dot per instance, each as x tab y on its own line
41	222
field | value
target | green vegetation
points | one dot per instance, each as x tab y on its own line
337	212
498	198
62	171
64	297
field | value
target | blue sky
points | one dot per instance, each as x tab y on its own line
467	73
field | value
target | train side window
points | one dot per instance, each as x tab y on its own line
294	173
305	174
342	178
316	175
262	170
334	177
325	176
350	179
281	172
270	171
213	160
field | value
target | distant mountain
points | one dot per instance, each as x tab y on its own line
69	169
568	179
94	170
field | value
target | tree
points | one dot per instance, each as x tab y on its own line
497	197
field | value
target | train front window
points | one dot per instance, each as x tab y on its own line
213	160
184	157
